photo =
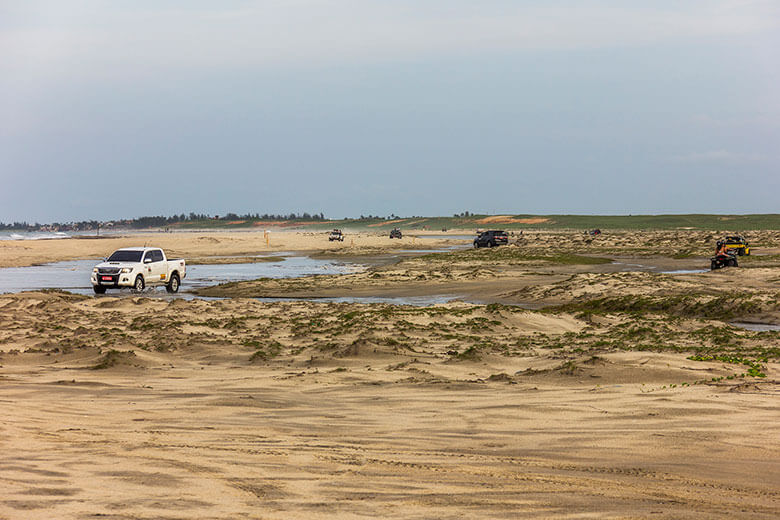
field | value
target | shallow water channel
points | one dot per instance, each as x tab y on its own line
756	327
413	301
446	237
74	276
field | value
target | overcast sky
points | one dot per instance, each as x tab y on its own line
124	108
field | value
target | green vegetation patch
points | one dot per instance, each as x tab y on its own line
513	254
725	307
468	220
266	351
755	368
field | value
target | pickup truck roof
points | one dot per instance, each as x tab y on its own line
137	248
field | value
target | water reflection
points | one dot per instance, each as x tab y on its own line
74	275
756	327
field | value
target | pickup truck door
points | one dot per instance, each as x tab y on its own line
159	267
148	268
151	267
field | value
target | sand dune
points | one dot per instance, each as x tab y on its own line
628	396
136	407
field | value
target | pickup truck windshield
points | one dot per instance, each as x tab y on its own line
125	256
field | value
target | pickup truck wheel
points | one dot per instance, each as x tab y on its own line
98	289
139	284
173	284
491	244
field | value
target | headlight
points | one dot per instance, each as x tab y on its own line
94	270
126	270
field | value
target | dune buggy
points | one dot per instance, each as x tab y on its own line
738	244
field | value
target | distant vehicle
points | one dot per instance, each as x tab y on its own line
491	239
738	244
138	268
720	260
593	232
396	233
336	234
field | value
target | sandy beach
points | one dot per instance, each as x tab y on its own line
422	260
207	245
628	395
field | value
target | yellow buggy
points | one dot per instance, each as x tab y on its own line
738	244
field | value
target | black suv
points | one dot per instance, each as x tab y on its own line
491	239
396	233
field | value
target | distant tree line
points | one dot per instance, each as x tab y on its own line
20	226
392	216
266	216
163	221
159	221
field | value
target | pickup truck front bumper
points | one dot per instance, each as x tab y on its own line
113	280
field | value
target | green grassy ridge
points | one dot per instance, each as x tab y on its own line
725	307
508	254
556	222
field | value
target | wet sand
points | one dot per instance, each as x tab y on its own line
208	246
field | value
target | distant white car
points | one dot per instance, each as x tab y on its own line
138	267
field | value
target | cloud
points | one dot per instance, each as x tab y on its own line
123	38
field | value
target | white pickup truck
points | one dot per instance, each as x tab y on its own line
138	267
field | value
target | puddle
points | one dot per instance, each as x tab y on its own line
632	267
450	237
445	249
529	306
74	275
686	271
414	301
756	327
70	276
289	267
